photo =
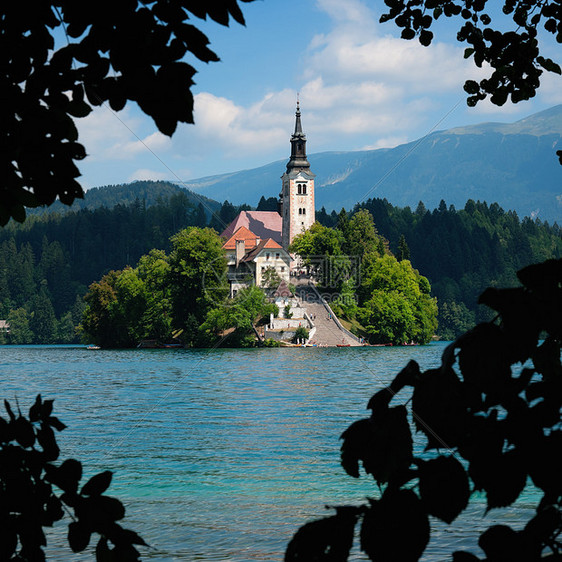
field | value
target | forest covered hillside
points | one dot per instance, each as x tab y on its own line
47	263
146	192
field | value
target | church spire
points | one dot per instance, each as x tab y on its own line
298	145
298	126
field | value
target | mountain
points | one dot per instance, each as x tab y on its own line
146	192
513	164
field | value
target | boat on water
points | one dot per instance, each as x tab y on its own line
93	347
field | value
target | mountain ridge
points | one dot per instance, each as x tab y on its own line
513	164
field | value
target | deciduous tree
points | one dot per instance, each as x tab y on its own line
36	492
197	277
396	306
112	52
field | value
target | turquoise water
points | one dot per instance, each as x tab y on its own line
219	454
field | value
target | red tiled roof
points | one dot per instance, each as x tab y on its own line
270	243
241	233
264	224
264	244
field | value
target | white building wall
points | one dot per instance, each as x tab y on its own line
298	207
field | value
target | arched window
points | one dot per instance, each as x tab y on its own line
299	189
304	188
304	211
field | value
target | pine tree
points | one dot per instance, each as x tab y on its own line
403	250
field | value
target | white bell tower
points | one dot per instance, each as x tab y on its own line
297	191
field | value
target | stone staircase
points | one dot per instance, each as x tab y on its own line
328	334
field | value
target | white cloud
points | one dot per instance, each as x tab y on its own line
110	136
356	83
357	53
156	142
103	129
348	12
359	88
222	124
551	88
388	142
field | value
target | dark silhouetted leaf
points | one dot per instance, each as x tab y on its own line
483	360
78	536
105	508
66	476
543	527
542	276
56	423
23	432
328	539
46	438
461	556
8	539
126	536
47	408
545	463
439	408
502	476
399	514
444	487
35	410
501	542
384	445
97	484
9	410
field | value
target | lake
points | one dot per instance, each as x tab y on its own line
220	454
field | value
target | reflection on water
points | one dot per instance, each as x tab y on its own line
219	454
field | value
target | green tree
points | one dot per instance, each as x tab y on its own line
321	249
200	218
388	317
128	309
240	315
403	250
270	278
395	301
98	324
269	204
20	332
21	264
129	51
66	329
42	319
362	237
301	335
224	216
197	277
346	302
154	270
454	319
116	305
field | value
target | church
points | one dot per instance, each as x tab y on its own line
258	241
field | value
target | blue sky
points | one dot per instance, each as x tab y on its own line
360	87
